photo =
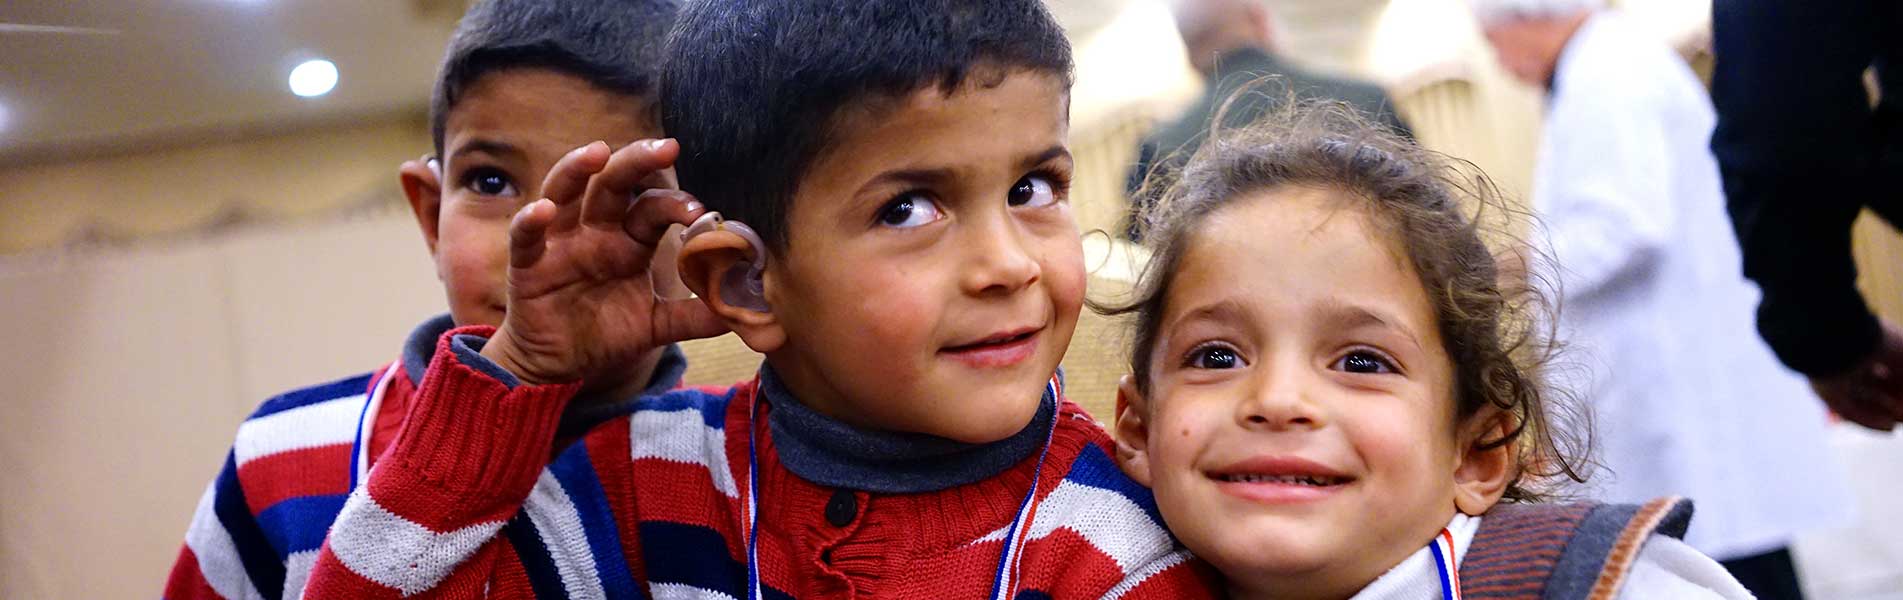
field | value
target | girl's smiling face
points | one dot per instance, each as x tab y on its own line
1299	426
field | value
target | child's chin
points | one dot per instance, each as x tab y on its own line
984	424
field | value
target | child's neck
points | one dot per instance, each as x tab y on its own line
829	451
1404	576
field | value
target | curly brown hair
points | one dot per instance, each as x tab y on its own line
1496	330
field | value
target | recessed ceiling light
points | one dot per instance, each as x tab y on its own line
313	78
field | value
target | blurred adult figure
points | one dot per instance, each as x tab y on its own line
1803	149
1686	400
1232	44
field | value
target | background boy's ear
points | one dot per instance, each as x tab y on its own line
705	262
423	186
1485	468
1132	431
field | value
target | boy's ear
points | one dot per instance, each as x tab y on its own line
1132	431
424	188
1485	467
705	263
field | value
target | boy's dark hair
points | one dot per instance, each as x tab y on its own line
1495	330
614	44
753	89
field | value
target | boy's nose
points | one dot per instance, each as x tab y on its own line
998	260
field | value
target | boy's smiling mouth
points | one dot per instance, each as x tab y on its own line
1001	349
1279	480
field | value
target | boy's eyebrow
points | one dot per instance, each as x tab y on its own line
1048	154
486	146
930	176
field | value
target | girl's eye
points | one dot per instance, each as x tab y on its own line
1214	356
1363	361
909	210
490	182
1033	190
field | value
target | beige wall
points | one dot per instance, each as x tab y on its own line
130	368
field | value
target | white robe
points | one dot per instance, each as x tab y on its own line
1687	399
1665	568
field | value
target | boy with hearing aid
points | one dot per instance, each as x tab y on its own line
878	204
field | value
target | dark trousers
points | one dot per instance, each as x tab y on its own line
1769	576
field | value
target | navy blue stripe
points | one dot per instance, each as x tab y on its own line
543	577
299	524
695	556
577	475
1094	468
342	388
691	555
1032	595
712	407
262	564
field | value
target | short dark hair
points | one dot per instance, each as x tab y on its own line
1496	330
613	44
754	88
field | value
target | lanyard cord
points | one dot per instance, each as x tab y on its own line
360	445
1005	583
1443	547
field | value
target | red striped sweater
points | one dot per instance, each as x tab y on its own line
648	505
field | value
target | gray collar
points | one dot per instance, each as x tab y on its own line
828	452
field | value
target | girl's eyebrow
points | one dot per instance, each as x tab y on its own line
1224	311
1346	316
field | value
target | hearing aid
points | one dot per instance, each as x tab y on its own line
743	284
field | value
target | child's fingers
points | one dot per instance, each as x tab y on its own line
683	320
605	203
655	210
528	233
567	181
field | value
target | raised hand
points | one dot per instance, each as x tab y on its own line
581	302
1871	394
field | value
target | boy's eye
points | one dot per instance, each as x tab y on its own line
909	210
1033	190
490	182
1214	356
1364	361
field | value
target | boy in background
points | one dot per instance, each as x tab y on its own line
522	83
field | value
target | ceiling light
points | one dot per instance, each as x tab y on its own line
313	78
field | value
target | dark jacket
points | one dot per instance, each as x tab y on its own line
1171	145
1802	152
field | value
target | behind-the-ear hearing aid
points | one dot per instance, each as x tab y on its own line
436	166
743	284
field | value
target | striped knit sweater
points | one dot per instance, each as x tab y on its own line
465	504
259	524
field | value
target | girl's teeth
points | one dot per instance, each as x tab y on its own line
1284	479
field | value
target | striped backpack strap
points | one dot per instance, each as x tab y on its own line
1564	551
1516	548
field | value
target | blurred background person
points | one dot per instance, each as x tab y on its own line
1804	148
1686	401
1232	44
